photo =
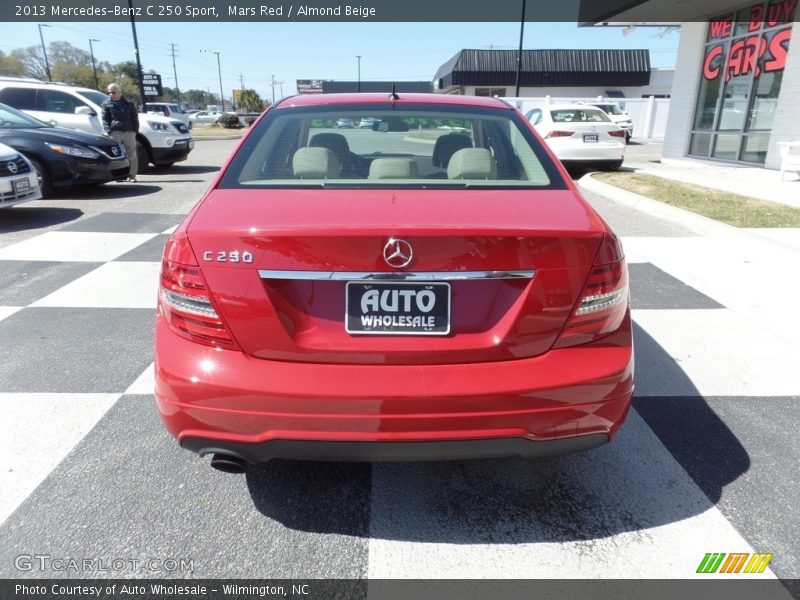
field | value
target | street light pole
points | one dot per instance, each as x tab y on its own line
94	68
44	51
138	60
358	56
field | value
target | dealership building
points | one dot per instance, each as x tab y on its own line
736	90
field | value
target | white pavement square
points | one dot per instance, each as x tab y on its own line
36	432
145	383
672	523
112	285
721	353
75	246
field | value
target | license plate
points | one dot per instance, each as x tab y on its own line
397	308
590	137
21	186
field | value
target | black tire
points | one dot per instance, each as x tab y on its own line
45	179
612	166
143	156
628	137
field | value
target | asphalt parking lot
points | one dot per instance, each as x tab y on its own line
707	461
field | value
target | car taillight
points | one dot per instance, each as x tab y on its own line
554	134
184	300
620	133
604	300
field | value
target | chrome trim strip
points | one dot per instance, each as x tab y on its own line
389	276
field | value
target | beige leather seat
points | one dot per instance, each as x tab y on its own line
446	146
315	163
393	168
472	163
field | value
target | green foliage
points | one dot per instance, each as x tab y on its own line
249	101
229	120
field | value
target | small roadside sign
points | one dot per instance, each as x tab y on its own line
151	85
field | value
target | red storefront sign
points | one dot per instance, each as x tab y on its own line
745	54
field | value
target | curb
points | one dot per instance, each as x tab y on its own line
217	137
697	223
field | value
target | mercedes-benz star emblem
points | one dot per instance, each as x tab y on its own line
397	253
12	166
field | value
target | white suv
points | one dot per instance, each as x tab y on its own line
168	109
161	140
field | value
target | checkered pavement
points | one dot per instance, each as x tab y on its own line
87	469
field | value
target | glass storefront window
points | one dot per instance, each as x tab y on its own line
700	144
745	54
727	147
755	148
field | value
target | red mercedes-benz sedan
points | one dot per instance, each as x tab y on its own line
433	287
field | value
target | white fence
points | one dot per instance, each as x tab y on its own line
649	115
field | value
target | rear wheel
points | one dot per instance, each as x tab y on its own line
45	181
143	157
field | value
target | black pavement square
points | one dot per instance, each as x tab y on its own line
23	282
652	288
75	350
128	490
125	223
150	251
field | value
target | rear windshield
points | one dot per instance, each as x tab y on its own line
376	145
579	115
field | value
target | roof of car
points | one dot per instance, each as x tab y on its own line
570	107
405	98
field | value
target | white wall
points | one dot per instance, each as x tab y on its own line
688	67
786	126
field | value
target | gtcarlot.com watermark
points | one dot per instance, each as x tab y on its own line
56	564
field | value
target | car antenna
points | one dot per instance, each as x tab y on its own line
393	95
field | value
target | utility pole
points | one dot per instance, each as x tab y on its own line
519	54
138	61
358	56
94	68
44	51
273	89
175	71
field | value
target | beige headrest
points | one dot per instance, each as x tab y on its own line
472	163
393	168
315	163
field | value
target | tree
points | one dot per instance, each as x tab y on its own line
32	62
11	66
249	101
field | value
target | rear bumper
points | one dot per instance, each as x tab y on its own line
602	151
224	401
394	451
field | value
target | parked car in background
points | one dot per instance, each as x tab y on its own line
161	140
18	180
617	115
205	116
345	123
580	135
359	295
169	110
62	157
367	122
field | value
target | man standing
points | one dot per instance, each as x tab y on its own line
121	122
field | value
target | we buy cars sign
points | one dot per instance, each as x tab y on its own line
151	84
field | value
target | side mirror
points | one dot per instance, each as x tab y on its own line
52	123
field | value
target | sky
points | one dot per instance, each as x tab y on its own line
255	52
